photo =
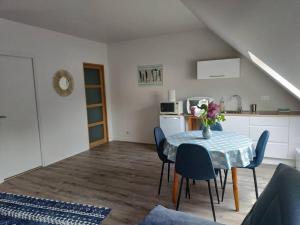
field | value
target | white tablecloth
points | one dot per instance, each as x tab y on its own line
227	149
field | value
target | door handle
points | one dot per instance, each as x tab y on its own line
216	76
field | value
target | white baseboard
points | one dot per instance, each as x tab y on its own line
133	140
273	161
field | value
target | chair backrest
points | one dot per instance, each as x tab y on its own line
261	147
215	127
160	139
279	203
193	161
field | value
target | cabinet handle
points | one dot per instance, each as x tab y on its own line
2	117
215	76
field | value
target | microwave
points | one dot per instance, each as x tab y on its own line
171	108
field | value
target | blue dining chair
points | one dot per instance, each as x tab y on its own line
160	139
194	162
216	127
260	152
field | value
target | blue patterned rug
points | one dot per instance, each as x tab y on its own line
20	209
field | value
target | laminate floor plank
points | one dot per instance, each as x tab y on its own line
124	176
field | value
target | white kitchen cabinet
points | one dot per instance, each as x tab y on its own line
277	134
171	124
222	68
278	126
298	159
275	121
284	132
277	150
239	124
294	137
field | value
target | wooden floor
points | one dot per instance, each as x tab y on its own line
124	176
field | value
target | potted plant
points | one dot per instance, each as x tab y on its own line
209	115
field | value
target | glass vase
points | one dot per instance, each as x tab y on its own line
206	132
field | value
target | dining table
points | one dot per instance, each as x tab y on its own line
228	150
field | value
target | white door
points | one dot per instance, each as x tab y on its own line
19	134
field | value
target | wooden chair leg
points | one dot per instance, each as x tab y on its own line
179	194
211	201
224	185
161	176
217	190
255	183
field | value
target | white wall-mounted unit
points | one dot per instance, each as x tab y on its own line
221	68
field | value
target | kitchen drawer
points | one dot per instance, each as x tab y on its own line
269	121
292	152
277	134
238	124
277	150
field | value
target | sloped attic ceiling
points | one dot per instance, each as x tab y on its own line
266	30
103	20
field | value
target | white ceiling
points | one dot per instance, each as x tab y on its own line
103	20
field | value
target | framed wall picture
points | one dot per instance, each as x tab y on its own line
150	75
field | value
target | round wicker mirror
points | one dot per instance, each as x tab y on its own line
63	83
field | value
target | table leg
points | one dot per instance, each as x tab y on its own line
175	188
235	188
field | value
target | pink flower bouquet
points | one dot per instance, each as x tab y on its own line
209	114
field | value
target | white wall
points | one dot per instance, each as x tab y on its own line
135	109
267	28
63	120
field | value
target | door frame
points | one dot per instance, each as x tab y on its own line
104	105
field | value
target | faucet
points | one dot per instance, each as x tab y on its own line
239	103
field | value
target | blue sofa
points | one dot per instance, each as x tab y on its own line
279	204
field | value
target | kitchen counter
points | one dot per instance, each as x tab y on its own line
266	113
193	124
260	113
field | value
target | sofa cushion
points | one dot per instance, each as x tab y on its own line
279	203
163	216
